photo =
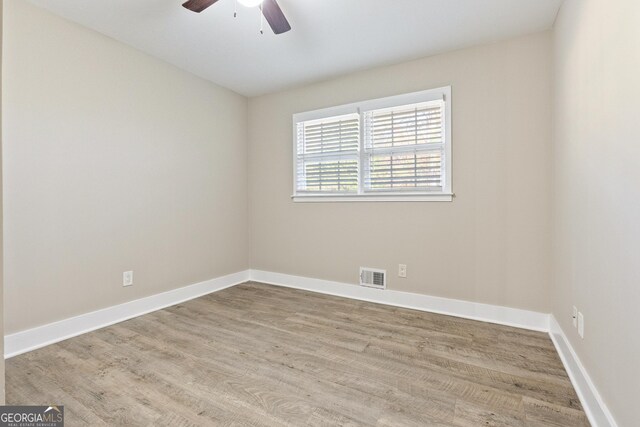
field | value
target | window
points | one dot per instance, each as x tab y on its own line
396	148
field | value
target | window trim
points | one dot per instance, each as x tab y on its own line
446	195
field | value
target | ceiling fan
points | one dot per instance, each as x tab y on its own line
270	9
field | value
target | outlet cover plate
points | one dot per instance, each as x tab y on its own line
127	278
402	270
580	325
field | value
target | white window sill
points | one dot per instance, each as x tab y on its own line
317	198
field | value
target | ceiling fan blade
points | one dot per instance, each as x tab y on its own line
198	5
274	16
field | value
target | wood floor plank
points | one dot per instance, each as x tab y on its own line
544	413
469	415
263	355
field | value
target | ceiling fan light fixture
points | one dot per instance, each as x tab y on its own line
250	3
269	10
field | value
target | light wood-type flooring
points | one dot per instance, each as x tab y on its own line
263	355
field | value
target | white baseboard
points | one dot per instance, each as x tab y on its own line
598	413
31	339
452	307
595	408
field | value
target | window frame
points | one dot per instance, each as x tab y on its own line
446	195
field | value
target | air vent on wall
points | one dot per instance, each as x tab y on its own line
373	278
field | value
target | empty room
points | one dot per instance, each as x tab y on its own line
320	213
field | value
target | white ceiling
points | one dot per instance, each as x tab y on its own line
329	37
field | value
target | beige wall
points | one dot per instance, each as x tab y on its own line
492	244
113	161
597	197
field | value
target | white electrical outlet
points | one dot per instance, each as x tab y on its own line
580	325
575	316
127	278
402	270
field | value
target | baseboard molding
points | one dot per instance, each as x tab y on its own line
595	408
469	310
32	339
41	336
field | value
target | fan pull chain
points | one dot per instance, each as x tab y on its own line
261	20
235	11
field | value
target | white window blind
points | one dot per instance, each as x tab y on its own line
327	155
396	148
404	148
